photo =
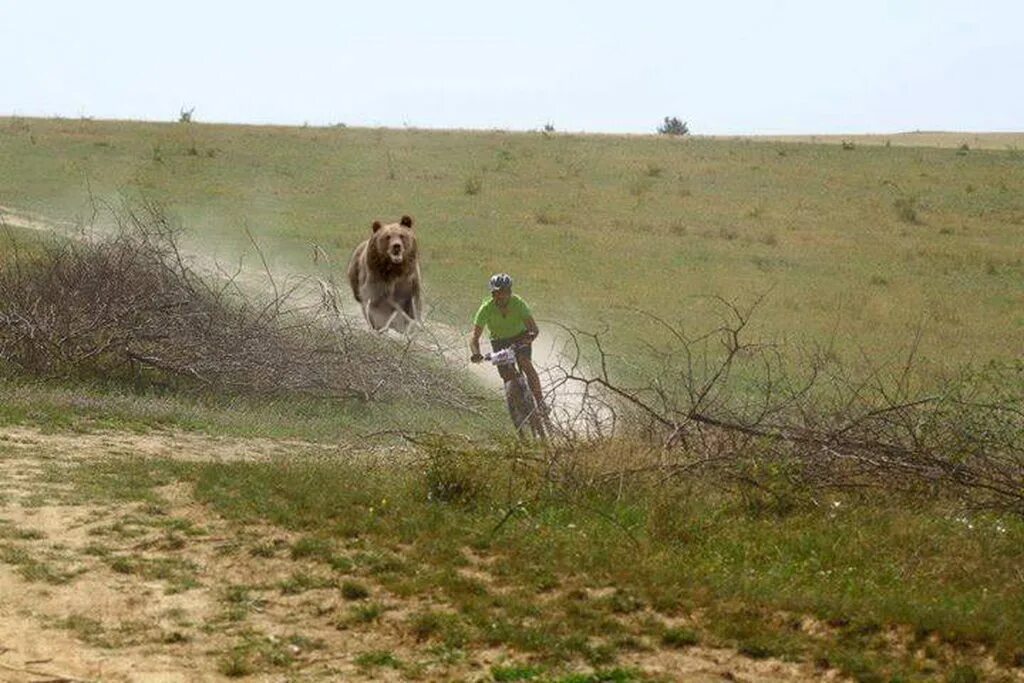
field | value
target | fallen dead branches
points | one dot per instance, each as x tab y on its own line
131	306
787	423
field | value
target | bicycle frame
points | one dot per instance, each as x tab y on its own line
522	407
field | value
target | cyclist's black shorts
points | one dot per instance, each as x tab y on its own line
524	351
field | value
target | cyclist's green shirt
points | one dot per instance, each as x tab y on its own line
511	324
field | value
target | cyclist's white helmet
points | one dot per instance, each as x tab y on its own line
501	281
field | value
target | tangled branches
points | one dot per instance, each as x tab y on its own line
131	306
789	425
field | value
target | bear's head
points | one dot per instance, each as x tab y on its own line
394	243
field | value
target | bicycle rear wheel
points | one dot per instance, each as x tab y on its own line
521	408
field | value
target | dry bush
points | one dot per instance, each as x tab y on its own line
130	306
782	425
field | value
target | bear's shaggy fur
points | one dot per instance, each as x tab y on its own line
385	276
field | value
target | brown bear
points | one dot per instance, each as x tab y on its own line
385	276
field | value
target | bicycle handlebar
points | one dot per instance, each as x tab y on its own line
507	355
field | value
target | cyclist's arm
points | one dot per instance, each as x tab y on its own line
474	340
531	327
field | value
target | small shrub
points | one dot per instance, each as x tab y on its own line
679	638
300	582
474	185
186	115
375	658
906	209
673	126
624	602
848	145
353	590
366	612
453	478
236	665
445	627
549	127
311	547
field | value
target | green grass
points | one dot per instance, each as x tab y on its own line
32	567
256	652
679	637
858	565
378	658
86	408
664	220
178	575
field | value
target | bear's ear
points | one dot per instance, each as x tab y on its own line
406	221
376	226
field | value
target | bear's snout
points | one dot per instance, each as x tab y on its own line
395	252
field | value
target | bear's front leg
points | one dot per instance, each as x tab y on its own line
379	315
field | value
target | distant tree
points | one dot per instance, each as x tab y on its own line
186	115
549	127
673	126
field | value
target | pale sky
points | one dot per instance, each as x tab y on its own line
726	67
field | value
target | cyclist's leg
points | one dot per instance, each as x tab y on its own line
507	372
526	365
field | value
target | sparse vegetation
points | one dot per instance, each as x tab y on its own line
474	184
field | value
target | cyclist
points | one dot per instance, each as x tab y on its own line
508	321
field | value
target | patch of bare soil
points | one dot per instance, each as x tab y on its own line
171	591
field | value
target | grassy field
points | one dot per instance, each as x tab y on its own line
920	138
861	246
297	538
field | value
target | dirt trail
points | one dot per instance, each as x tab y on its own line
568	408
92	590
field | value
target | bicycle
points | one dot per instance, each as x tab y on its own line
522	407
